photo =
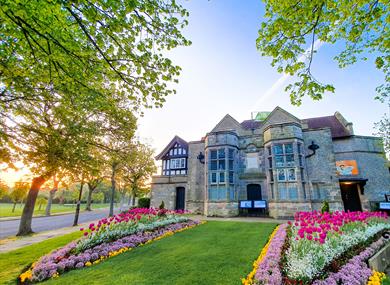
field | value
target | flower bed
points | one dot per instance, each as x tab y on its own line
134	228
356	271
317	239
376	278
266	268
322	249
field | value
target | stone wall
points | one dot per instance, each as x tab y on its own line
369	155
282	131
321	167
164	189
279	210
221	209
196	183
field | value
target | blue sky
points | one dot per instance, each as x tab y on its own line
224	73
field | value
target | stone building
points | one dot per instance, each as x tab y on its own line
293	164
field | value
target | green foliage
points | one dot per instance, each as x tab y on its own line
162	205
19	191
74	76
98	197
137	167
383	130
144	202
41	201
90	47
290	26
3	189
325	207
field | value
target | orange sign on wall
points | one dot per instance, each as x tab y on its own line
346	167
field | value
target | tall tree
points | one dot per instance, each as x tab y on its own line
94	46
92	183
77	64
3	189
58	177
49	135
138	169
78	202
361	26
95	173
383	129
292	25
18	193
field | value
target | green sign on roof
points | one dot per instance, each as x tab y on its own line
261	116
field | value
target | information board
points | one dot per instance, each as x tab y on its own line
246	204
259	204
384	205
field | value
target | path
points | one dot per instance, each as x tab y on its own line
12	244
39	224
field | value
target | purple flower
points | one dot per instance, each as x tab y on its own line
356	271
268	271
79	265
64	258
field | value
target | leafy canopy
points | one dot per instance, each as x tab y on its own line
291	26
96	47
19	191
72	73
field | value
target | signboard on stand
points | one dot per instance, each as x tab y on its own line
259	204
246	204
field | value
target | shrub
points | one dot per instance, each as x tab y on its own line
325	207
144	202
162	205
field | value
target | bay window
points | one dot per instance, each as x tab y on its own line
221	173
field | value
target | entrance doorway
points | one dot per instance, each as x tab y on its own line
180	198
350	196
253	192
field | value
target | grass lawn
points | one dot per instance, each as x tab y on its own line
13	262
214	253
6	209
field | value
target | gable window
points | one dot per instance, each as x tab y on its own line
177	150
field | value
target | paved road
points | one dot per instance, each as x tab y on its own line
39	224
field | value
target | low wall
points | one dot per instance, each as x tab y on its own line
381	260
221	209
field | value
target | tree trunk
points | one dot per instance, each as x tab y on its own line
51	195
76	216
89	198
49	202
13	209
113	185
28	210
123	202
133	202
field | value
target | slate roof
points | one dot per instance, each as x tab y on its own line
251	124
337	129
